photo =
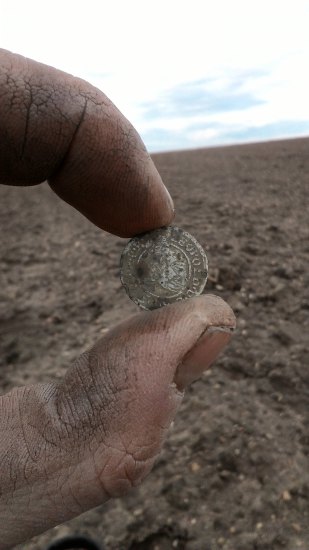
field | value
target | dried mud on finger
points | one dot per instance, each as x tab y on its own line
234	472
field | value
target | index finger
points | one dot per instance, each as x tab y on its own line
59	128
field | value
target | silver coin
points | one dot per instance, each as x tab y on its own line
163	266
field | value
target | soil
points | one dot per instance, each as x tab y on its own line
234	472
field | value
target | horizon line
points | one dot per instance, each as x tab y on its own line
232	144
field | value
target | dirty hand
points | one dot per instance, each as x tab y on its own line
69	446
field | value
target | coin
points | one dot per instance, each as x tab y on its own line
163	266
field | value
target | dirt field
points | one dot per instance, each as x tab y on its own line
234	473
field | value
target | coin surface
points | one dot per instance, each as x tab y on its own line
163	266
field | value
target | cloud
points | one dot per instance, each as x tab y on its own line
202	97
221	110
275	130
165	140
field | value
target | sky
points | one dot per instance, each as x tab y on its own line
187	74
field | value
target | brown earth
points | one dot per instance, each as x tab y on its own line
234	472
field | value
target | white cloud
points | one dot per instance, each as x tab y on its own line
204	136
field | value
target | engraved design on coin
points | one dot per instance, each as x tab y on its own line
163	266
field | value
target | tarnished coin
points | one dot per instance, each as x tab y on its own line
163	266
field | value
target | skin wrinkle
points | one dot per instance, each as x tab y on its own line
14	98
27	121
67	413
12	473
100	476
47	493
52	475
88	385
92	95
131	480
119	475
128	477
43	435
45	94
144	448
40	429
123	450
68	428
41	462
66	424
72	493
62	161
95	419
19	402
136	462
89	409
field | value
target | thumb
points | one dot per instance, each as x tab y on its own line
98	433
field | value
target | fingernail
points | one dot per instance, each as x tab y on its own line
202	355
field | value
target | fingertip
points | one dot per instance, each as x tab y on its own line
109	176
59	128
215	311
172	331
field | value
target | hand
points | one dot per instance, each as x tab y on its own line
67	447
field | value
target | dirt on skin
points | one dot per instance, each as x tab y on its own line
234	472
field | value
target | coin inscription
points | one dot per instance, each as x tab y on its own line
163	266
